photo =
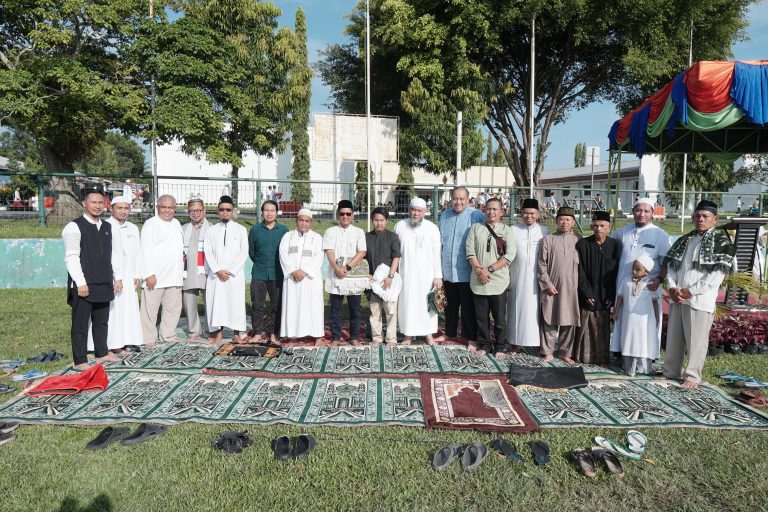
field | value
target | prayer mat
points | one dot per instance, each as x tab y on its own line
171	398
485	403
639	402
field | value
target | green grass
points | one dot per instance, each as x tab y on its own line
376	468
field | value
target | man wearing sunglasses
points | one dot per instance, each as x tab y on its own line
226	249
345	248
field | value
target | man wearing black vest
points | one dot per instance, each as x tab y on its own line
90	286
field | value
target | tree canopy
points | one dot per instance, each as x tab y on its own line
434	58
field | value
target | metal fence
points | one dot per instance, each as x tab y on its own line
60	195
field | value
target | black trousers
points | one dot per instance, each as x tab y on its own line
259	291
497	305
460	296
95	314
353	302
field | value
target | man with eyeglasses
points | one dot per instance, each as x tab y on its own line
226	250
194	267
640	237
266	275
523	313
490	249
345	248
162	269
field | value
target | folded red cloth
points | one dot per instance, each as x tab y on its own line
93	379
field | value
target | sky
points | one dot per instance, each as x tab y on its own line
326	20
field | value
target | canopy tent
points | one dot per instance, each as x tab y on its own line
714	107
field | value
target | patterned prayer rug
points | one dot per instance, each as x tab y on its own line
176	397
639	402
474	402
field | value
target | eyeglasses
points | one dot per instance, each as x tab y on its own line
225	209
345	214
195	211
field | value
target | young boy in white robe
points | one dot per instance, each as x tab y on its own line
638	308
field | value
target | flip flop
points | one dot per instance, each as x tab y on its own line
583	459
30	375
281	447
474	455
507	449
9	427
145	432
444	456
636	441
615	447
106	437
612	463
5	388
302	446
540	451
6	438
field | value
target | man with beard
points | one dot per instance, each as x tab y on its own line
421	271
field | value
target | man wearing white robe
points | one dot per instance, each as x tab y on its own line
421	271
162	269
641	237
226	249
523	326
124	327
301	257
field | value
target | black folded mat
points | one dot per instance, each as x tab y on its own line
552	378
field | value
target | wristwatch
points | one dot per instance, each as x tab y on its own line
391	276
349	268
491	269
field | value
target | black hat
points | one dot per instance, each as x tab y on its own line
706	205
566	211
345	203
530	203
93	188
602	216
226	200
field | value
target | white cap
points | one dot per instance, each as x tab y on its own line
304	212
643	200
121	199
646	261
418	202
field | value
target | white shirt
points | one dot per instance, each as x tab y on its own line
704	286
346	243
71	236
162	252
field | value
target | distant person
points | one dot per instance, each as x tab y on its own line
739	204
127	190
551	202
17	203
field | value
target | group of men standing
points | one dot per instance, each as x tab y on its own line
552	291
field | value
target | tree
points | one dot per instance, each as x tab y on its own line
404	190
756	170
301	79
489	156
117	155
222	80
580	154
361	186
702	175
65	79
475	56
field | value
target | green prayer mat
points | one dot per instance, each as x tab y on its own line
171	398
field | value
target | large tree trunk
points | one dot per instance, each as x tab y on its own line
235	188
67	205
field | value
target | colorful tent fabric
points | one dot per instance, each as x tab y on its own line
708	96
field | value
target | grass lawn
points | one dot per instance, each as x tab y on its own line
376	468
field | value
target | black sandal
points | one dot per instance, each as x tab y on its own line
106	437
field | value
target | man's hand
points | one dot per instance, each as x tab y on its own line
685	293
118	286
82	291
551	291
483	275
298	275
437	283
223	275
386	283
341	272
151	282
614	315
653	284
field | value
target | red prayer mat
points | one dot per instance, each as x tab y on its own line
474	402
93	379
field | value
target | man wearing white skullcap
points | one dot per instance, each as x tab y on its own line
301	258
420	270
124	326
640	237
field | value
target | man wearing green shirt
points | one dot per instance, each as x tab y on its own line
267	275
491	247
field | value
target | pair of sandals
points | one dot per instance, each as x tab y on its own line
30	375
471	456
737	380
753	398
586	461
46	357
11	364
302	445
633	448
109	435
